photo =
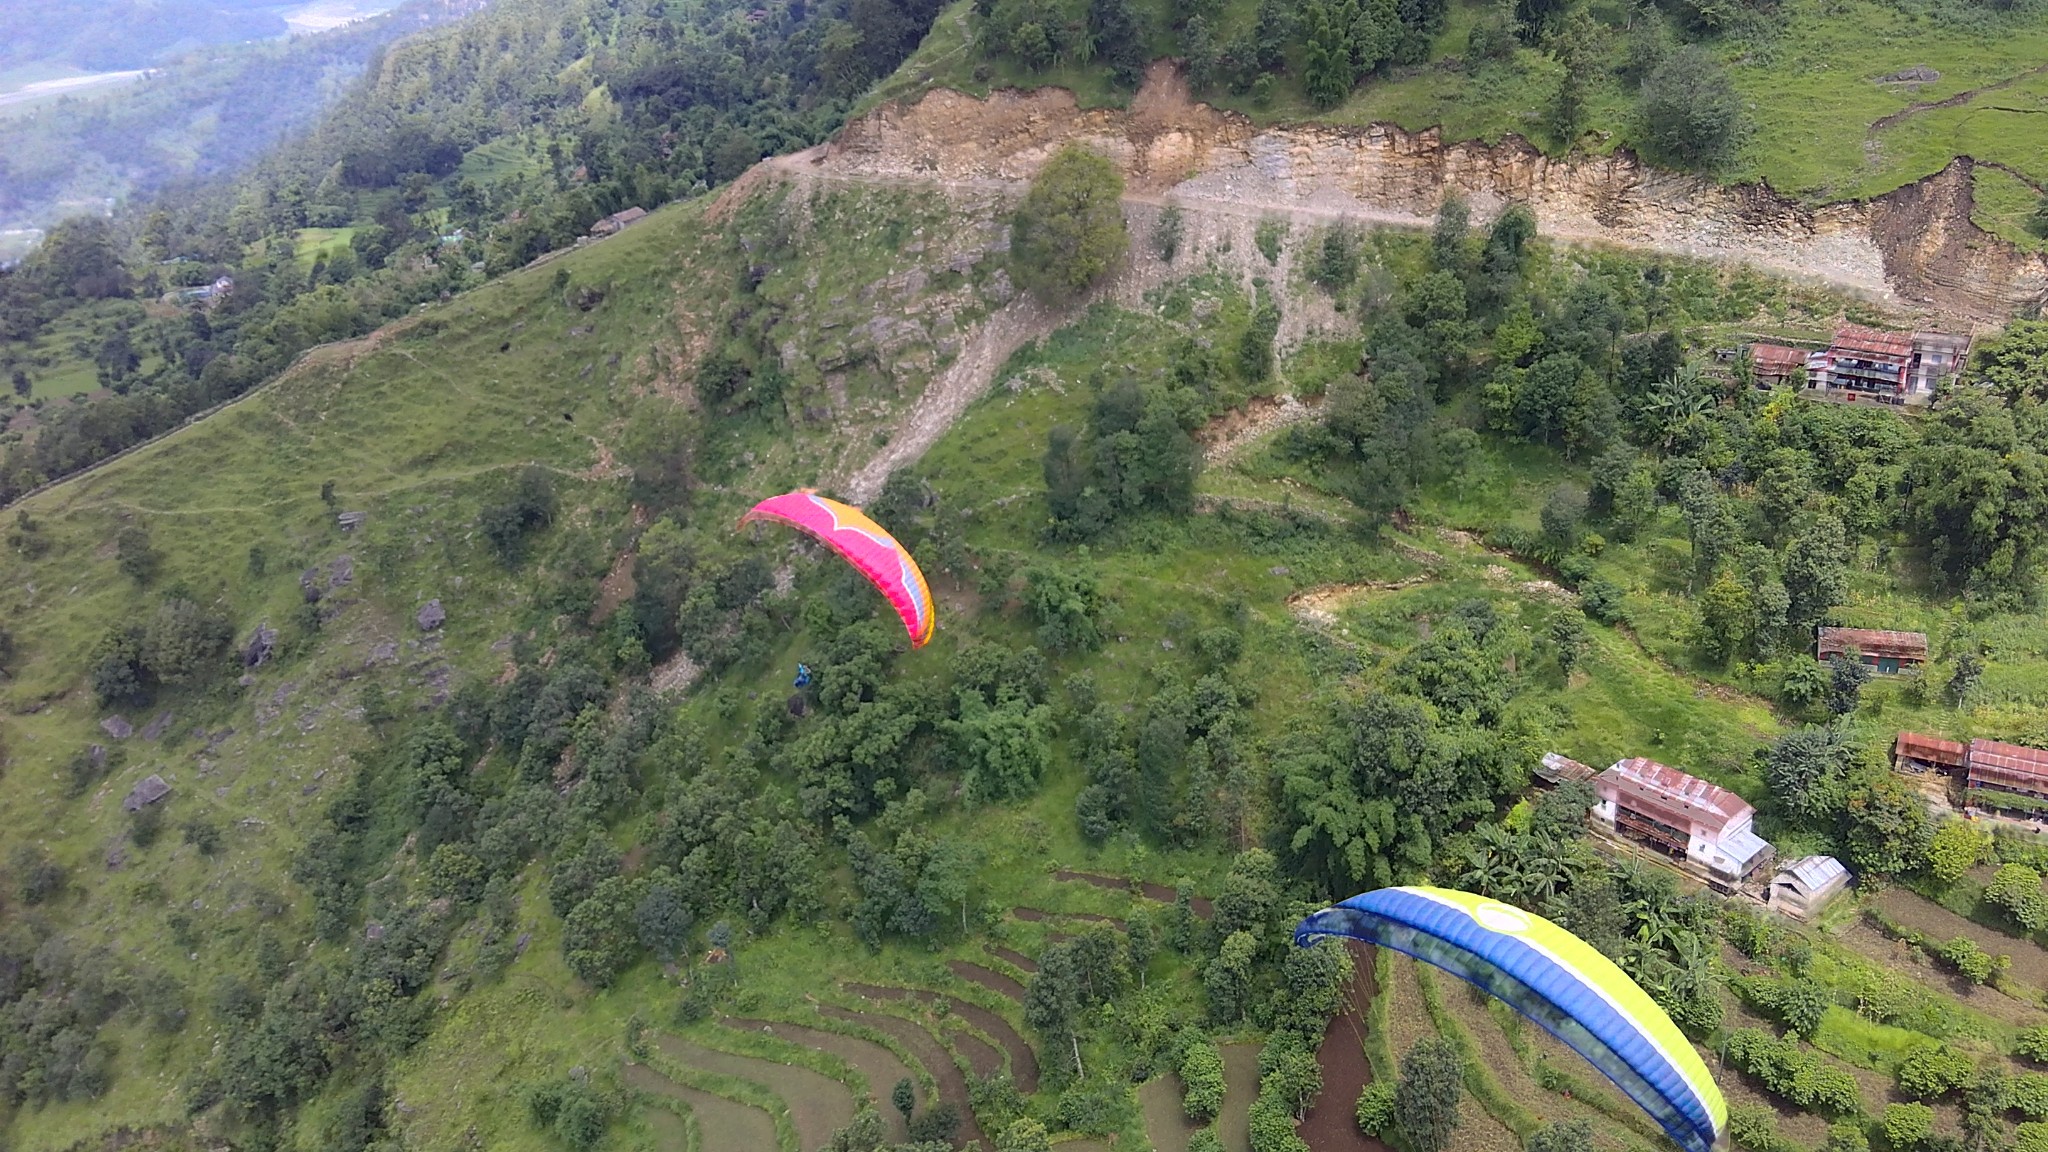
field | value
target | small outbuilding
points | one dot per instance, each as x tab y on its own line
1885	652
1918	752
1560	769
1773	364
1803	887
618	221
149	791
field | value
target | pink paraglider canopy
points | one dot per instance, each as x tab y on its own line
865	545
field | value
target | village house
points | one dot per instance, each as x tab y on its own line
1771	365
1681	816
1804	887
617	221
1889	367
1916	753
1885	652
2006	777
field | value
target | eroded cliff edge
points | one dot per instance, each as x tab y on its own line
1916	247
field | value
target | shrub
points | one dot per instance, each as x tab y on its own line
1963	955
2033	1044
2031	1136
2016	889
1756	1128
1201	1071
1955	849
1934	1070
1794	1072
1376	1108
1905	1125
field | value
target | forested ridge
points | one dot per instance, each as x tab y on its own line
205	114
462	153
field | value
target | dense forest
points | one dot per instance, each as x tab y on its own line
463	153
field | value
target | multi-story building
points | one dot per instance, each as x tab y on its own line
1681	816
1890	367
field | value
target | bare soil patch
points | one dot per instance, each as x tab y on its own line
994	981
1199	905
1166	1122
2029	960
1331	1124
882	1067
1229	433
818	1105
721	1123
1319	606
1041	916
930	1053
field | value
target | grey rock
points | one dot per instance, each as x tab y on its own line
312	584
118	727
256	652
344	571
159	726
431	617
149	791
373	931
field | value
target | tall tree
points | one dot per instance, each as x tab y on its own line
1069	231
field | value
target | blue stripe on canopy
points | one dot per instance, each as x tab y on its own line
1532	983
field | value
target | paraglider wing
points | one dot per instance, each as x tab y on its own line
863	544
1555	979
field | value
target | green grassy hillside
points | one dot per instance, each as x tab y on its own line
522	880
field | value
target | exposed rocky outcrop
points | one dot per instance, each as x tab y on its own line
1915	247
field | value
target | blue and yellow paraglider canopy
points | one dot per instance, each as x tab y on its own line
1553	978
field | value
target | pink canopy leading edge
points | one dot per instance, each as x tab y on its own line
865	545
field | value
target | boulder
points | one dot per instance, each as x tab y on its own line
149	791
432	616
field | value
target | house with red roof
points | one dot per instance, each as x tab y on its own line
1681	816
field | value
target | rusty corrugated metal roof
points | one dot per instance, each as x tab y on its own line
1705	802
1935	748
1872	343
1873	642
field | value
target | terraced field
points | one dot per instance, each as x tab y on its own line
930	1053
1015	959
882	1068
721	1124
818	1105
988	978
1022	1060
1199	905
